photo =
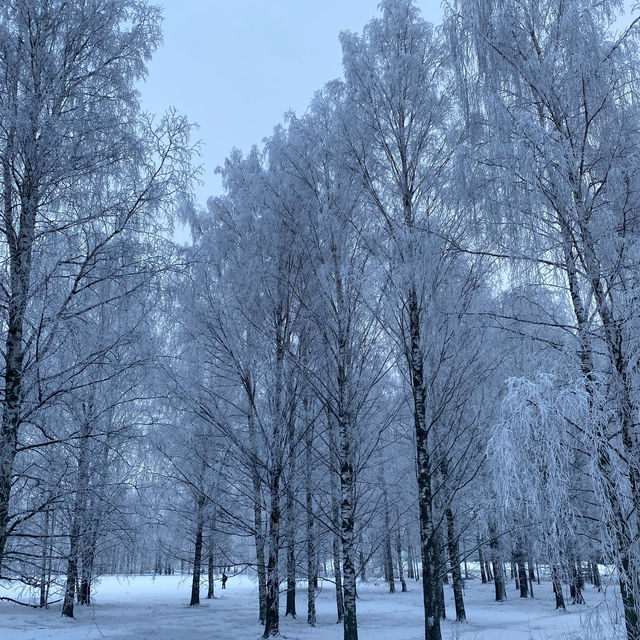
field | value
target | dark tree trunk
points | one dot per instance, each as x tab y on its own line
557	588
47	539
410	568
595	575
261	565
272	620
481	562
337	577
441	602
72	571
290	609
336	520
521	570
388	556
454	558
20	241
312	570
291	579
88	555
197	559
577	583
210	567
362	561
347	494
498	570
431	583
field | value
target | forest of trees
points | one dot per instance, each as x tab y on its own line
406	337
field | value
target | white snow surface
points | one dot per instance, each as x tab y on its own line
156	608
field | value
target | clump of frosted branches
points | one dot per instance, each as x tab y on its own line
532	453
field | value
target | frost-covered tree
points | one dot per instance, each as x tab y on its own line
81	168
553	96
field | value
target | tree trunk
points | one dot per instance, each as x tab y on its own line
197	566
272	619
518	556
399	554
454	559
311	541
431	583
20	247
557	588
336	521
388	557
291	521
291	575
347	494
595	573
577	583
261	565
498	570
362	560
72	570
410	568
44	574
483	573
210	572
337	577
87	555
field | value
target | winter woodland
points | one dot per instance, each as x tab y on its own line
400	353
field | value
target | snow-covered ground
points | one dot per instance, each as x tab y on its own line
151	608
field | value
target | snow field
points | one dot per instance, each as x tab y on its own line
156	608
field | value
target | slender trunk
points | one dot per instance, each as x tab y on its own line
523	583
498	570
399	554
483	573
577	583
43	568
20	246
197	557
311	541
388	557
87	556
72	570
272	619
50	557
557	587
291	571
347	495
261	566
337	577
431	584
410	568
291	521
595	573
362	560
77	519
454	558
210	567
336	520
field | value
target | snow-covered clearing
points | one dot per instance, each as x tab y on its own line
157	608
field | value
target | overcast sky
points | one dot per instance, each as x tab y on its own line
236	67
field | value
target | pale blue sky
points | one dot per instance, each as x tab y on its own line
236	66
